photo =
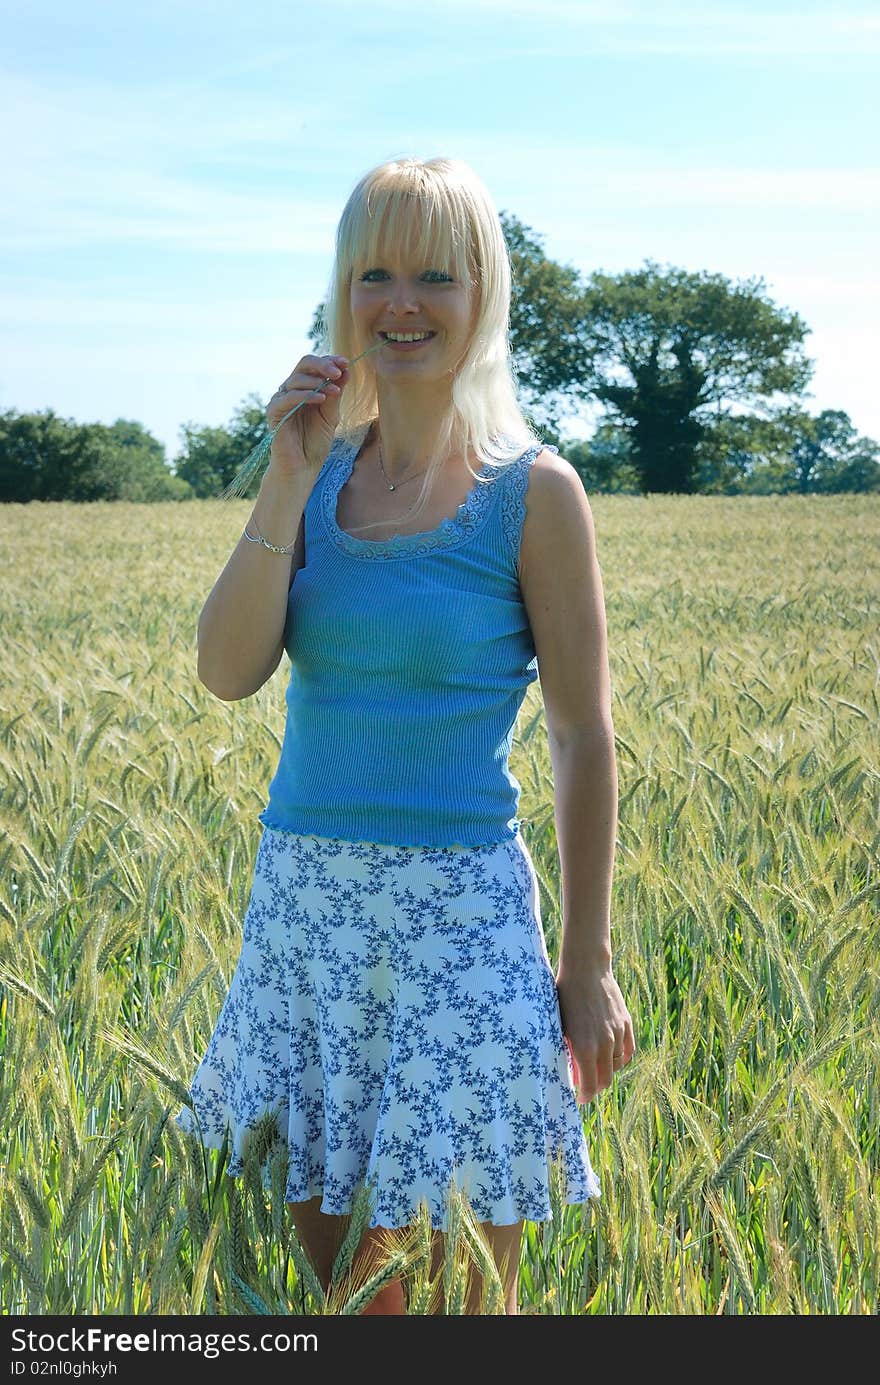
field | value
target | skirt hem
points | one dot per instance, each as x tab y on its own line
185	1121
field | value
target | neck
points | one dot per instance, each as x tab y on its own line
409	426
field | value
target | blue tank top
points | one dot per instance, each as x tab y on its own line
409	661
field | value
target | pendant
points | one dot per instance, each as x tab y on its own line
391	488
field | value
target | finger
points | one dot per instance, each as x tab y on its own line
329	370
318	365
304	390
604	1068
589	1084
310	372
289	399
576	1079
330	378
571	1060
319	374
288	393
334	366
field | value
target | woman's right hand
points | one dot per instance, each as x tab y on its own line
301	444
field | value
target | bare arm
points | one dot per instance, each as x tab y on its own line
562	589
585	783
241	626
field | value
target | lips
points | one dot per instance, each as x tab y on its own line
406	348
427	337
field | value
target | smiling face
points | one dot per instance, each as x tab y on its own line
412	272
406	296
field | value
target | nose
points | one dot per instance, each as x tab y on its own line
402	297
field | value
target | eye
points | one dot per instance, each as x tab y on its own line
433	275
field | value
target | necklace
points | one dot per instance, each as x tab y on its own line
392	485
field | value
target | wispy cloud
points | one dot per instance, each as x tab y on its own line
77	177
34	306
747	29
241	181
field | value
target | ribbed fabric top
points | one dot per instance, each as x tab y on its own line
409	661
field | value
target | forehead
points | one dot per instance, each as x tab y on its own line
403	230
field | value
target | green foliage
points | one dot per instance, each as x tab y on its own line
550	352
828	456
786	453
697	376
747	453
674	351
317	328
604	461
133	467
44	457
211	457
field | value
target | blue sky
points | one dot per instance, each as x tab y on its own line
175	171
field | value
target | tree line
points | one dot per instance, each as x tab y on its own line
700	384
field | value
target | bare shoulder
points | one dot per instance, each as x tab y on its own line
562	592
552	464
557	512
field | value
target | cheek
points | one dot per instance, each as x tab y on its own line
469	312
360	295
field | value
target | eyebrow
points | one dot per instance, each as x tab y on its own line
436	266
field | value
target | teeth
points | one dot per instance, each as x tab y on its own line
407	336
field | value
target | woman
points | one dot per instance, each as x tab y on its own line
394	1005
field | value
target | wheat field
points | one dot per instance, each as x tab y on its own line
738	1152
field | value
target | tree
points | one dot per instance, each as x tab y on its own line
787	453
699	378
604	461
211	456
672	351
745	453
550	352
829	456
131	466
44	457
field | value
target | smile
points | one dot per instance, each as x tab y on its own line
406	340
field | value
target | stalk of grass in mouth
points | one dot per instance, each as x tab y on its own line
252	462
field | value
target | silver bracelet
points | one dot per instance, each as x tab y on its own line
273	547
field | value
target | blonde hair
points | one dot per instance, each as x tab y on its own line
443	210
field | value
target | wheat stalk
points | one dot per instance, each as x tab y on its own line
254	460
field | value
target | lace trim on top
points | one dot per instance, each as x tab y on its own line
449	533
513	497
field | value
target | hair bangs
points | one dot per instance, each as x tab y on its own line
395	220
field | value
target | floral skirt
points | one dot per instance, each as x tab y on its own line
394	1011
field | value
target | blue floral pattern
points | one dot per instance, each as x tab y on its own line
394	1010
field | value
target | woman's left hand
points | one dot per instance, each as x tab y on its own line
597	1027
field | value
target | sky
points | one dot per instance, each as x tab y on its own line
175	171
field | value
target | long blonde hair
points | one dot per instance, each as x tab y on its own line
444	210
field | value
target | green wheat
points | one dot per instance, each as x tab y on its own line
739	1152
